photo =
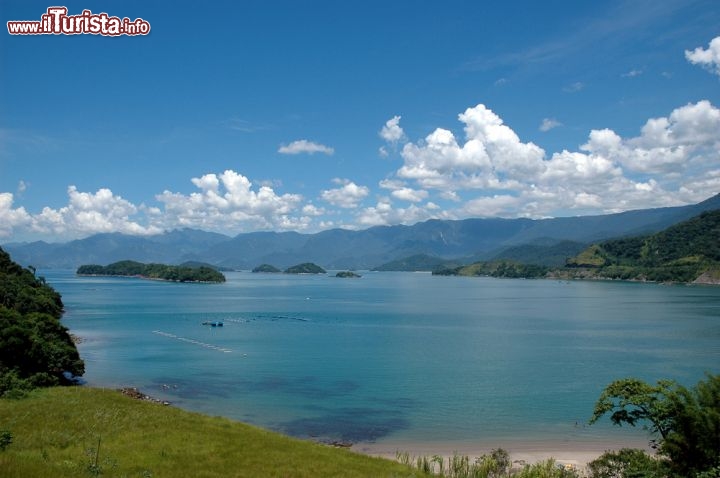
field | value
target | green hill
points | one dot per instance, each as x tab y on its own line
681	253
154	271
305	268
418	262
502	268
552	254
80	431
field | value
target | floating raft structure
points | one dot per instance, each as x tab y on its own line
213	323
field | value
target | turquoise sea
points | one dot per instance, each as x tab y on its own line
393	357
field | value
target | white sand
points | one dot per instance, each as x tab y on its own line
575	453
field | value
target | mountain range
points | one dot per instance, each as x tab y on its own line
464	240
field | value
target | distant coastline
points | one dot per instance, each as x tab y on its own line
139	276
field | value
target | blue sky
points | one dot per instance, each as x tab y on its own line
244	116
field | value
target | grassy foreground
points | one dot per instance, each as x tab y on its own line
56	432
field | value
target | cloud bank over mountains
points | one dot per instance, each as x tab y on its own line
486	170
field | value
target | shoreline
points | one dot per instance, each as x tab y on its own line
576	454
573	453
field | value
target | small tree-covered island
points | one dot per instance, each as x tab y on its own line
305	268
153	271
348	275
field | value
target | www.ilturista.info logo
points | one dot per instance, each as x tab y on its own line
57	22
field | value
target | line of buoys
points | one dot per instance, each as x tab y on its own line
191	341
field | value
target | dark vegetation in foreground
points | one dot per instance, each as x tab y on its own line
35	348
80	431
684	424
154	271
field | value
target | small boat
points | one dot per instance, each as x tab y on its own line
213	323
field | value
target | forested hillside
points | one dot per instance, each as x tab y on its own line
35	348
681	253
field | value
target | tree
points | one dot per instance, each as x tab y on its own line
684	423
626	463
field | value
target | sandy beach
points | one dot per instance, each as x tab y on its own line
575	453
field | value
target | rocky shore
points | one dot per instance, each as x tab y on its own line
133	392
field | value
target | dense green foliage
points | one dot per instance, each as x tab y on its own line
680	253
154	271
626	463
35	348
305	268
506	269
418	262
57	431
554	254
266	268
684	423
6	439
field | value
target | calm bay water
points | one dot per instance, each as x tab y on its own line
393	357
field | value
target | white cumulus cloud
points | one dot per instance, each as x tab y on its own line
401	191
11	218
670	145
305	146
666	164
410	194
384	213
708	58
91	213
391	131
491	157
229	202
348	195
312	210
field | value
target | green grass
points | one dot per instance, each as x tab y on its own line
56	433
